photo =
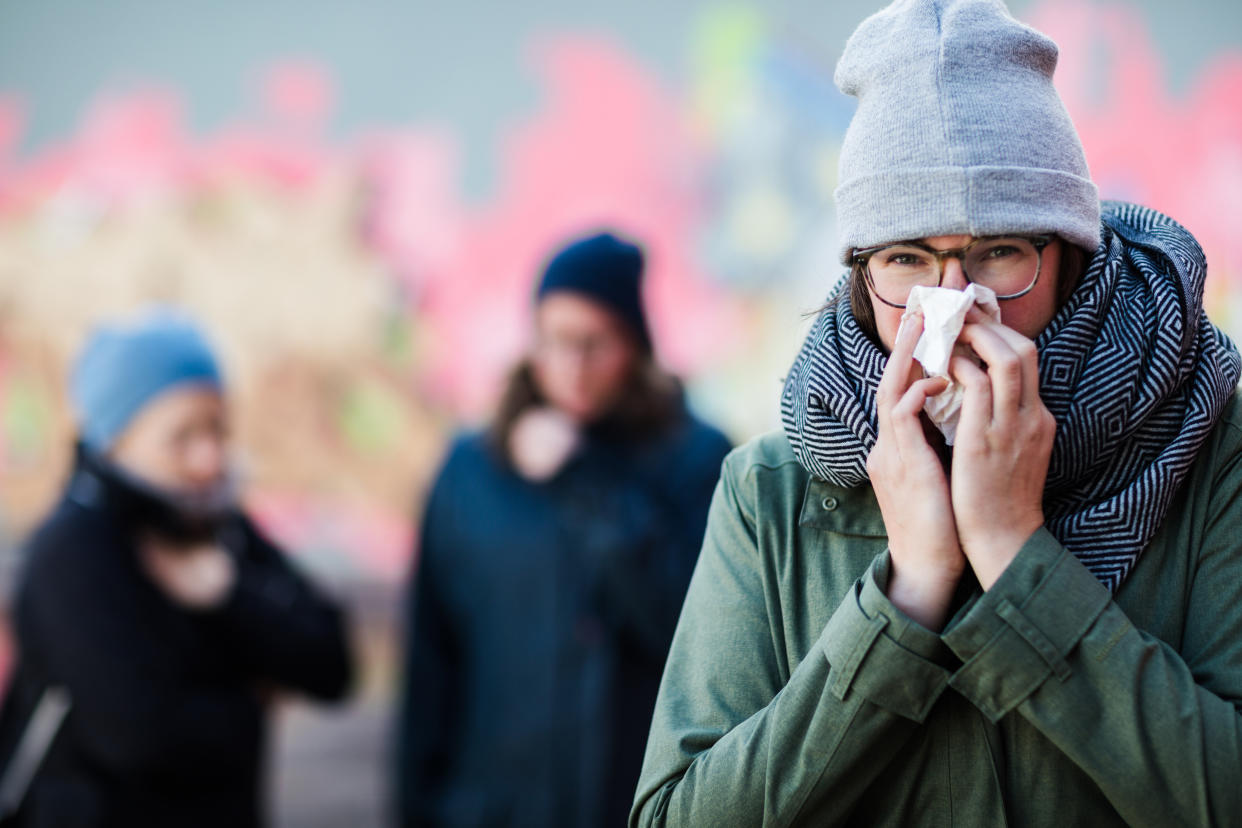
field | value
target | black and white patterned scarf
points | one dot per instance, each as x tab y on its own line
1131	368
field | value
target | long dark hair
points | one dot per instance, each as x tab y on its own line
1072	265
650	403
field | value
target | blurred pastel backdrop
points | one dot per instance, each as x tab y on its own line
356	198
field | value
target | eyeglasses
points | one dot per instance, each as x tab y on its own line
1009	265
589	348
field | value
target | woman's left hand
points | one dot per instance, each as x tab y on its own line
1004	442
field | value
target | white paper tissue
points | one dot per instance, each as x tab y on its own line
944	313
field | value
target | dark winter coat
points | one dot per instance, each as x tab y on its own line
167	720
539	621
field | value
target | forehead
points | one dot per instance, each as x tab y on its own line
182	403
572	312
947	242
952	242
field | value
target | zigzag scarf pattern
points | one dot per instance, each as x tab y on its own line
1131	368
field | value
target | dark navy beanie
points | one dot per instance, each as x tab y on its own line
605	269
126	365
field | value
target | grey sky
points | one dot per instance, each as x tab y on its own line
458	64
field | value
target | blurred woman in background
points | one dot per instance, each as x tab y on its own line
152	608
556	548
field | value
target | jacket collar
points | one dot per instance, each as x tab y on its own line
845	511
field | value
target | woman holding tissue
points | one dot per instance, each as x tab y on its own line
1040	624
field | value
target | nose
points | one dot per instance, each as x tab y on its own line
954	276
575	365
206	460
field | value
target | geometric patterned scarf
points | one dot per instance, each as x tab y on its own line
1131	368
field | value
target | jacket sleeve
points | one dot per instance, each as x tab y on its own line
133	712
1158	730
283	628
649	544
735	742
431	678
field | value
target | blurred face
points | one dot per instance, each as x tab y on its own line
583	357
179	441
1028	314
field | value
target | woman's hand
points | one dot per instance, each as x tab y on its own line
541	443
913	491
1004	442
197	577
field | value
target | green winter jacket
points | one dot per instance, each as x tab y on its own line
795	693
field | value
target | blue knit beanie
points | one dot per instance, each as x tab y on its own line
125	365
959	130
605	269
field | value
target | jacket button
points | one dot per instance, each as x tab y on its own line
829	503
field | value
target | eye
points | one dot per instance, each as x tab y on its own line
903	258
1002	250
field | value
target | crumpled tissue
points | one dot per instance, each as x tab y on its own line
944	313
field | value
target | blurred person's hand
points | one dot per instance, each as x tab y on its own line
541	442
197	577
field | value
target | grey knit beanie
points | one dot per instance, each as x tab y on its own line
958	130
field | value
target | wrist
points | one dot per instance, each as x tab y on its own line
991	554
924	596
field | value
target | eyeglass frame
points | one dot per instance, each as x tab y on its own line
863	259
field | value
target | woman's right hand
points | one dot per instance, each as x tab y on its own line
913	490
541	442
197	577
